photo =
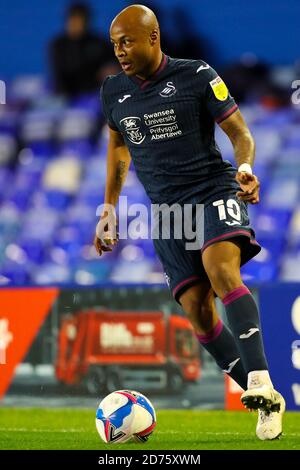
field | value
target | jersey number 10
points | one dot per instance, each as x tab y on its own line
231	206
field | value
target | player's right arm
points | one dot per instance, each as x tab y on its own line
118	161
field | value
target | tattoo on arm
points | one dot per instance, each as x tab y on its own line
120	174
237	131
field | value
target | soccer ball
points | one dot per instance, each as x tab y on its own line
125	415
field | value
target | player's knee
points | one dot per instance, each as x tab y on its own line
192	306
223	277
197	309
218	272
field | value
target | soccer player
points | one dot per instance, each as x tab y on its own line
161	113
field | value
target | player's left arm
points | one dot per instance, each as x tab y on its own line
244	150
222	107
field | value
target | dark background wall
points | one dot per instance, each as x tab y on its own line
269	28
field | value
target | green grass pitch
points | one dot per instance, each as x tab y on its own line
176	429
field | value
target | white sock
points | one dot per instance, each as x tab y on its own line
257	378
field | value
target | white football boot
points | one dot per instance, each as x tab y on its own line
269	424
262	397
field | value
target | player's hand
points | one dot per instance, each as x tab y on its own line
106	232
250	187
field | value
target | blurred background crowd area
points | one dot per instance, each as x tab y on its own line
53	137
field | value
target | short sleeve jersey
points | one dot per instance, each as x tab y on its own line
168	124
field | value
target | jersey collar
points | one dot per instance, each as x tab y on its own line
144	83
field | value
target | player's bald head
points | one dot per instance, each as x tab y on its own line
135	35
135	18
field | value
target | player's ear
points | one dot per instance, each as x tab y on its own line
154	36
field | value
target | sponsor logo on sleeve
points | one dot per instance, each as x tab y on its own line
219	88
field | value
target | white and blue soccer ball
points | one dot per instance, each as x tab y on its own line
125	415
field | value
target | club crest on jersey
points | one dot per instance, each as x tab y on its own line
131	126
219	88
168	91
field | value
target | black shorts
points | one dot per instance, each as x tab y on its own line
222	218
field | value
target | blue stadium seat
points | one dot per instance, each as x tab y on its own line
76	124
260	272
8	147
91	272
83	148
40	223
57	200
132	271
21	198
9	121
27	88
294	229
34	249
42	149
273	222
283	193
89	102
51	273
274	245
290	267
11	221
292	138
268	143
6	178
38	125
16	275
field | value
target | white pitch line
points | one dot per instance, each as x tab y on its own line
71	430
225	433
41	430
82	430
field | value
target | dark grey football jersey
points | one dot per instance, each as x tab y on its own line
168	122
